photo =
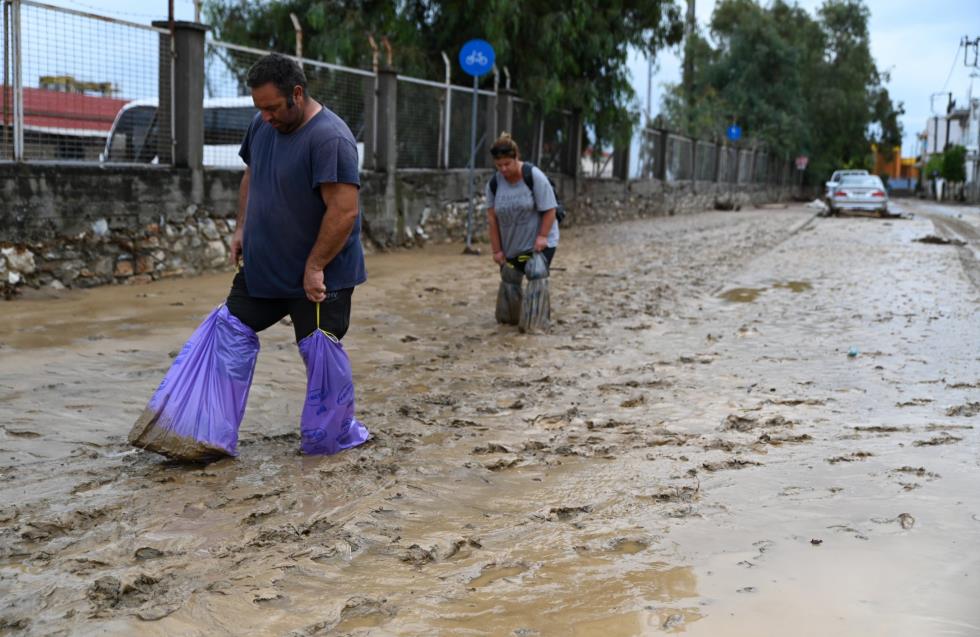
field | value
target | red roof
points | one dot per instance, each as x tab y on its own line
72	111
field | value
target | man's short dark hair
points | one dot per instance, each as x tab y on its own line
280	70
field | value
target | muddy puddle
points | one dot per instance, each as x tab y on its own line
666	460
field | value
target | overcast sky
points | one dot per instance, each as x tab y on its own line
916	41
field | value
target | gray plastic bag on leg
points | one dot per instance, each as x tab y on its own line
536	304
509	295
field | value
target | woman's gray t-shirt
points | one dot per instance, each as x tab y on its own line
514	205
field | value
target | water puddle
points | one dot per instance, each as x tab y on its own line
750	295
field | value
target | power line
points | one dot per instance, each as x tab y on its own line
956	57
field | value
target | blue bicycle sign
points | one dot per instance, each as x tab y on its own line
734	132
477	57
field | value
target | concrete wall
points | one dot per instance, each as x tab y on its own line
84	225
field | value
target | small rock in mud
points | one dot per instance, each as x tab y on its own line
816	542
104	592
673	621
148	553
906	520
493	447
967	410
944	439
417	556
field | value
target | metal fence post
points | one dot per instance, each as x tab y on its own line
719	149
573	158
369	89
447	116
387	159
18	82
483	159
662	155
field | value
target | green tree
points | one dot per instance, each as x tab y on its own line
570	54
954	164
802	84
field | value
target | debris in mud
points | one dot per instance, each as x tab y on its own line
564	514
906	520
816	542
676	494
746	589
502	463
733	463
747	423
935	427
945	439
917	471
967	410
493	447
356	608
633	402
408	338
769	440
933	239
915	402
857	455
881	429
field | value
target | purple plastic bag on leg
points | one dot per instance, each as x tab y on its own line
328	424
197	409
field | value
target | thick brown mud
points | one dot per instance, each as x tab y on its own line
752	423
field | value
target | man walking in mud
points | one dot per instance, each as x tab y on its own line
298	240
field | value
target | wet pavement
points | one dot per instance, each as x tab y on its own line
751	423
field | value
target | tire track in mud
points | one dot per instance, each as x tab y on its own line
969	236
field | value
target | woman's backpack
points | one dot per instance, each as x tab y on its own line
528	175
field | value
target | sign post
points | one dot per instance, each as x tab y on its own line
477	58
801	163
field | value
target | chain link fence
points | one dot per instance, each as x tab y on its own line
69	75
86	88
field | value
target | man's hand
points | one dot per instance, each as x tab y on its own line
540	243
313	285
499	258
236	245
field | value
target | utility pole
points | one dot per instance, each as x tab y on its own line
690	28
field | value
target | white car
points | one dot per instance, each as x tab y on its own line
863	193
133	137
837	176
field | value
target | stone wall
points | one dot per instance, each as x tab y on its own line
86	225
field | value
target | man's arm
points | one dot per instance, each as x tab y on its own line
236	238
338	222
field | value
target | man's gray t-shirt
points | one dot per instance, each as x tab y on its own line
514	205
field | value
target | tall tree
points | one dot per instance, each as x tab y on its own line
800	83
570	54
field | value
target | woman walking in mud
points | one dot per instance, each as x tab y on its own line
521	214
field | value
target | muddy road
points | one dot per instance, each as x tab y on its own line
751	423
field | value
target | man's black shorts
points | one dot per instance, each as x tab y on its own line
259	314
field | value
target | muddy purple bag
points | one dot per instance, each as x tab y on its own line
328	424
197	409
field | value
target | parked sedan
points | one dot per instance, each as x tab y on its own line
837	176
859	192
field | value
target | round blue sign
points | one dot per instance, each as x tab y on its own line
734	132
477	57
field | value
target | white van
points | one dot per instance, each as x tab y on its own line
134	133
